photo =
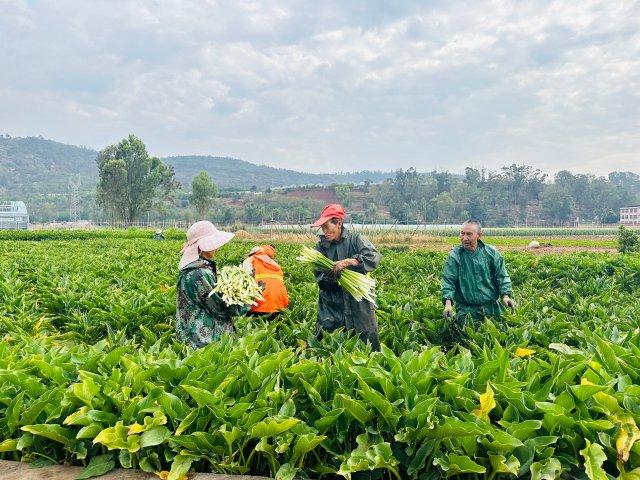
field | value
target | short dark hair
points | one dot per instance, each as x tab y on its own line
475	222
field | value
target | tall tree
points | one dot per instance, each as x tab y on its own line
556	203
343	192
203	193
130	179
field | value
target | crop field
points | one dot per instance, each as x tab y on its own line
90	372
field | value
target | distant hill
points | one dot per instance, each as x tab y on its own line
234	173
35	165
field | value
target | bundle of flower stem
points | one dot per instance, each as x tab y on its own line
236	287
358	285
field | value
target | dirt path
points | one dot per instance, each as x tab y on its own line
21	471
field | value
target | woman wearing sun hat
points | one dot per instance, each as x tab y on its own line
200	318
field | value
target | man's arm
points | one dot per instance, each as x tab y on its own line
366	260
503	281
449	279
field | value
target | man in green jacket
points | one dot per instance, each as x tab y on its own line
475	280
336	307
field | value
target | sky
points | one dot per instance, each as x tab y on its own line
334	85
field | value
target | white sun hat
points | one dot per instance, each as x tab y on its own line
202	236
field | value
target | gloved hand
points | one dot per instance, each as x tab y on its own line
509	303
328	282
448	310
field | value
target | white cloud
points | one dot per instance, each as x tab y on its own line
331	86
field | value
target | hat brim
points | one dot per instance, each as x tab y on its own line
214	241
205	244
321	221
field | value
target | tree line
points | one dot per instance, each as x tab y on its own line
132	183
513	195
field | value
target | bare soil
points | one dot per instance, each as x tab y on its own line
22	471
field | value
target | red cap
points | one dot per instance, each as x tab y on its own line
333	210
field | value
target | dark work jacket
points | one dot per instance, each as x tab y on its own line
336	307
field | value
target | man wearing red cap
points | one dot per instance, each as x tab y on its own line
336	307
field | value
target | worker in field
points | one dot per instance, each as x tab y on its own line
261	264
158	235
475	282
336	307
201	318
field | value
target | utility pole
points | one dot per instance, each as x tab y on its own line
74	198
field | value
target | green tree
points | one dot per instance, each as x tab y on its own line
343	192
203	193
556	203
254	212
444	207
130	179
627	240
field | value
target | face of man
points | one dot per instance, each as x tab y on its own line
331	230
469	236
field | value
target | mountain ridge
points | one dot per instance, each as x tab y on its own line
38	165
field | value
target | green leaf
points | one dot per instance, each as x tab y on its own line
502	442
548	469
522	430
154	436
368	456
584	392
272	426
500	464
202	397
354	408
86	390
9	445
117	437
632	475
566	349
150	463
63	435
286	472
90	431
188	421
305	444
420	457
386	410
452	427
607	355
594	457
328	420
288	409
12	413
98	465
180	466
455	464
125	458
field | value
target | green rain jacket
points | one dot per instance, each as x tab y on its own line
336	307
200	318
475	281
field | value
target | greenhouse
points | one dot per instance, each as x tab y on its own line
13	216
